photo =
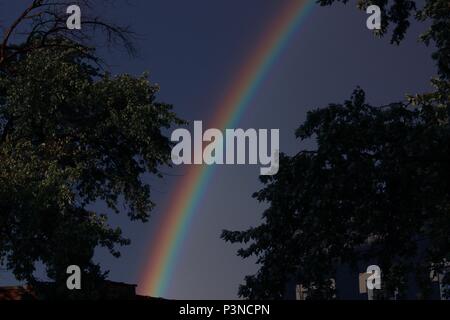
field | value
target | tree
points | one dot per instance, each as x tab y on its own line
398	14
72	134
376	186
45	20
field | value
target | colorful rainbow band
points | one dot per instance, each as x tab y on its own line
167	242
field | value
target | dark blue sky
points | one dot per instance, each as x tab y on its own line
193	49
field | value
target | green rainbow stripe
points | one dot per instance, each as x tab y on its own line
168	240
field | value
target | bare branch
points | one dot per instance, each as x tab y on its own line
44	21
10	30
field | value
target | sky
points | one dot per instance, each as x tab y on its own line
193	49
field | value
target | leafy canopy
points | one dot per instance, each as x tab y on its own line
376	188
71	135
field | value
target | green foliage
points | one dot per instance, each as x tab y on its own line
72	135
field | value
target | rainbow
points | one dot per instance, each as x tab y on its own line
167	241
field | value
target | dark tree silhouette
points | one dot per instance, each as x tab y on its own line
376	187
